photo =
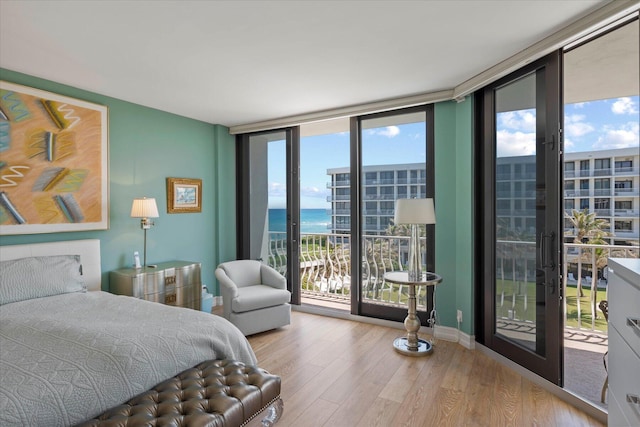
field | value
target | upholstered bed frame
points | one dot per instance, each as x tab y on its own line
88	249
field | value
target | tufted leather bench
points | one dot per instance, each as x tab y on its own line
214	393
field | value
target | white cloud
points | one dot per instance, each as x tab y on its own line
624	106
575	126
515	143
277	189
522	120
389	131
626	136
568	144
314	192
580	104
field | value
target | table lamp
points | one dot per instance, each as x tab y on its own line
144	208
414	212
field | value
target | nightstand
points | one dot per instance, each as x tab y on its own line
174	283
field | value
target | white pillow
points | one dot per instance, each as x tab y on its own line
42	276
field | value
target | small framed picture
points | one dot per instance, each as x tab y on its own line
184	195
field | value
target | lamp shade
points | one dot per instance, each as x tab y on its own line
144	208
414	211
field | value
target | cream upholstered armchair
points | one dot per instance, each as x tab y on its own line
254	296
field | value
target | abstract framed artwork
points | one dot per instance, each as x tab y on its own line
184	195
54	172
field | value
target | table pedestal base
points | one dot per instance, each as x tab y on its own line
424	347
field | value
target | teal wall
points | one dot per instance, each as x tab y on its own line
145	147
454	212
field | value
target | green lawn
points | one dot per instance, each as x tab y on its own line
517	292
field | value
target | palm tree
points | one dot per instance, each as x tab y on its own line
588	229
587	226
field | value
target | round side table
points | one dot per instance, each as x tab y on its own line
411	345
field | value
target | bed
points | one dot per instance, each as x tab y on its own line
69	351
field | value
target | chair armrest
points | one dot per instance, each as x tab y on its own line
270	276
228	289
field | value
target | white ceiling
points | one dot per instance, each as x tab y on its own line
239	62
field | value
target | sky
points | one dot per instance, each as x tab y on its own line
387	145
588	126
595	125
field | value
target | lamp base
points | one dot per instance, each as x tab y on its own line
414	267
401	345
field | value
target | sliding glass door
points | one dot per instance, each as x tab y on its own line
268	206
521	218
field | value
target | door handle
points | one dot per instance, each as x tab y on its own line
544	255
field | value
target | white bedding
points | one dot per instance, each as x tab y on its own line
69	357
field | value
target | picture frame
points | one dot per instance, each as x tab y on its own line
184	195
54	170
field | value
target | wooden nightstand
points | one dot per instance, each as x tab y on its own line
174	283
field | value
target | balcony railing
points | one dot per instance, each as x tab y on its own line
325	267
516	282
585	267
633	171
325	272
339	183
627	212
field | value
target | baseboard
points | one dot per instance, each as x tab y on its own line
448	333
217	300
341	314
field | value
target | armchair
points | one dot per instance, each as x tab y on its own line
254	296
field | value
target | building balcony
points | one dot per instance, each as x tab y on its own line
630	171
630	213
338	198
603	212
375	182
599	192
379	197
625	192
585	192
378	212
334	212
341	183
602	172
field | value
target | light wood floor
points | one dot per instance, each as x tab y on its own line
344	373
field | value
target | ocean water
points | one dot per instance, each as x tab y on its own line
311	220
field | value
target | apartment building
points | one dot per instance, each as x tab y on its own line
606	182
382	185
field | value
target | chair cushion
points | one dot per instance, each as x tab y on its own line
259	296
243	272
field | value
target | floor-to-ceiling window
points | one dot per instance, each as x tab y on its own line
520	211
596	135
339	222
395	159
602	119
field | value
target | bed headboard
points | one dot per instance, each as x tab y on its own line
89	251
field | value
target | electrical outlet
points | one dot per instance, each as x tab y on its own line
459	316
